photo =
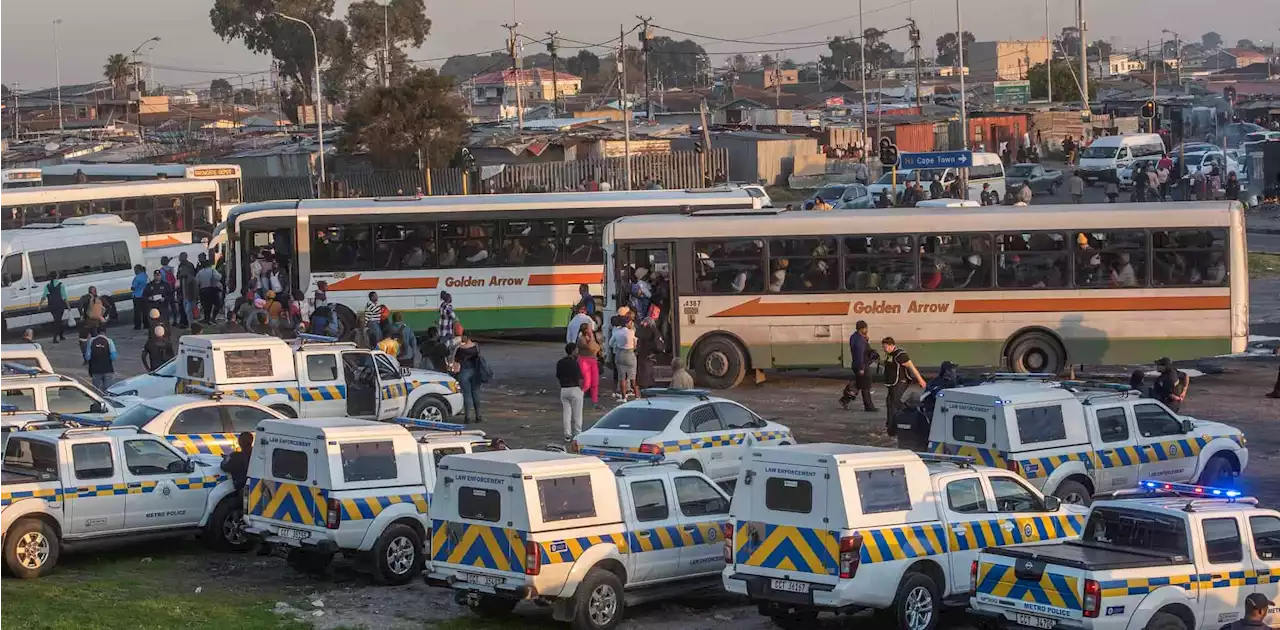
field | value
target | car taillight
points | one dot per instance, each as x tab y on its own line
973	579
1092	598
651	449
333	515
532	559
727	528
850	553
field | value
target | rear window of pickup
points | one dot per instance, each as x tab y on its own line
1137	529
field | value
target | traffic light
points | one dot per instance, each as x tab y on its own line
1149	109
888	152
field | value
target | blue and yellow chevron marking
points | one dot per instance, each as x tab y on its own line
885	544
985	456
51	495
660	538
364	508
324	392
204	443
289	502
1053	589
786	548
393	390
1043	467
1142	586
768	436
721	439
198	483
309	394
570	549
996	533
450	385
481	546
112	489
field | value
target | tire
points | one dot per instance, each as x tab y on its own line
225	529
431	408
309	562
917	604
598	603
1053	189
719	363
284	410
397	555
31	549
493	606
1073	492
795	620
1166	621
1036	352
1217	472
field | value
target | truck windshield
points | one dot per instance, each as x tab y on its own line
1022	170
136	416
1141	530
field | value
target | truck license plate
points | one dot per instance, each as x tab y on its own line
788	586
1033	621
484	580
292	534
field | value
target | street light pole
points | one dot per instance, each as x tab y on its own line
862	69
315	47
1177	53
137	83
386	45
57	71
1048	49
964	122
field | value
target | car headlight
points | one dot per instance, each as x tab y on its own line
453	386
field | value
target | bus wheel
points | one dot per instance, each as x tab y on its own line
720	363
1036	352
346	321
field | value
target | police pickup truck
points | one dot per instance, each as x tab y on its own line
64	488
31	389
1184	561
840	528
320	486
1074	439
316	377
589	534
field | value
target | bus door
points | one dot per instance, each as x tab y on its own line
644	279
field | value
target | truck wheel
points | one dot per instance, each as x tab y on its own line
917	604
397	555
1166	621
225	529
309	562
1217	471
719	363
31	549
430	408
599	604
493	606
1073	492
795	620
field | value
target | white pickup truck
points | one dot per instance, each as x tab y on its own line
1170	563
586	536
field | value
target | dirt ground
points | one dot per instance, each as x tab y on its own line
522	406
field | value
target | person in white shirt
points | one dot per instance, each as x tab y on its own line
1124	276
575	324
622	343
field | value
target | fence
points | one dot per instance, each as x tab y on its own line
679	169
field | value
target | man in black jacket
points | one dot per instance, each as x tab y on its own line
237	463
862	357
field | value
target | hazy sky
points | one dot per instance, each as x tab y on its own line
190	54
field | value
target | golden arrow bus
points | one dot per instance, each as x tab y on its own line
1034	289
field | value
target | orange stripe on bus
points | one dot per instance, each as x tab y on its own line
550	279
1095	304
757	308
161	241
356	283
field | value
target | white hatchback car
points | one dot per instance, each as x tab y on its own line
689	426
197	424
162	381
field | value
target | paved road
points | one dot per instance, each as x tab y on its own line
1269	243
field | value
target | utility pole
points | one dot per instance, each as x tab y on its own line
626	106
386	44
914	33
57	70
515	70
862	70
1084	56
964	116
645	37
1048	49
555	82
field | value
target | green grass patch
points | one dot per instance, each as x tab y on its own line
119	591
1263	265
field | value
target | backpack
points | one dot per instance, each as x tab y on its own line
483	370
892	369
167	274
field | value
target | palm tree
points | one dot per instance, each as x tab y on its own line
117	71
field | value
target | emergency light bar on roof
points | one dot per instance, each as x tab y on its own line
431	425
84	421
1193	490
651	392
961	460
1097	385
8	408
18	368
622	456
317	338
207	391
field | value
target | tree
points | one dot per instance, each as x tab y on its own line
117	71
1064	82
584	64
789	64
1211	39
246	96
1101	48
947	48
373	29
677	63
394	123
879	53
741	64
1247	44
842	61
220	90
767	61
1068	43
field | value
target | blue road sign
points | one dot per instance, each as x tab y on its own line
937	159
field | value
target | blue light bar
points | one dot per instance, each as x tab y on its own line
200	389
1118	387
943	457
8	407
675	391
18	368
432	425
622	456
1191	489
321	338
84	420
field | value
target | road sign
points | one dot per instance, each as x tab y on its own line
937	159
1012	92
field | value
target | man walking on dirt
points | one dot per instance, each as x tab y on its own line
862	357
899	373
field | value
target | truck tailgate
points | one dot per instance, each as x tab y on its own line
1087	557
1029	590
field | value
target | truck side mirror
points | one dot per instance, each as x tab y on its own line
97	407
1052	503
1188	426
404	371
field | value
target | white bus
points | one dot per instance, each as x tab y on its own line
20	178
166	212
511	262
227	176
1032	288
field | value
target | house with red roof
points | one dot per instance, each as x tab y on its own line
535	85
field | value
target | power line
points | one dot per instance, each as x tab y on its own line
830	22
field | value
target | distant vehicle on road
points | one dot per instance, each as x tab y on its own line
829	193
1039	178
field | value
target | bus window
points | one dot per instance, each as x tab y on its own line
341	247
729	266
805	265
40	214
203	211
228	192
139	211
467	243
173	213
955	261
1114	259
879	263
1189	257
404	246
582	242
531	242
1032	260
